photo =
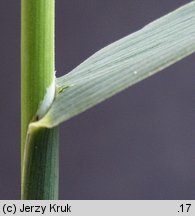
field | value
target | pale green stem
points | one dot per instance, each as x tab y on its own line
37	76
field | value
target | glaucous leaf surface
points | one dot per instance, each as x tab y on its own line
122	64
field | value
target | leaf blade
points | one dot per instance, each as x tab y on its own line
123	63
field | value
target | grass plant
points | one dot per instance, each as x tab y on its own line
48	101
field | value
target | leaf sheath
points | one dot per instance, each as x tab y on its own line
41	165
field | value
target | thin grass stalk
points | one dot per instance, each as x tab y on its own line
39	150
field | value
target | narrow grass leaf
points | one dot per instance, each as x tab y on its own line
122	64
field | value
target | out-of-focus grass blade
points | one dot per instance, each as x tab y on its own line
122	64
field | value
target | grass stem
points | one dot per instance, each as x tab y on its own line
39	151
